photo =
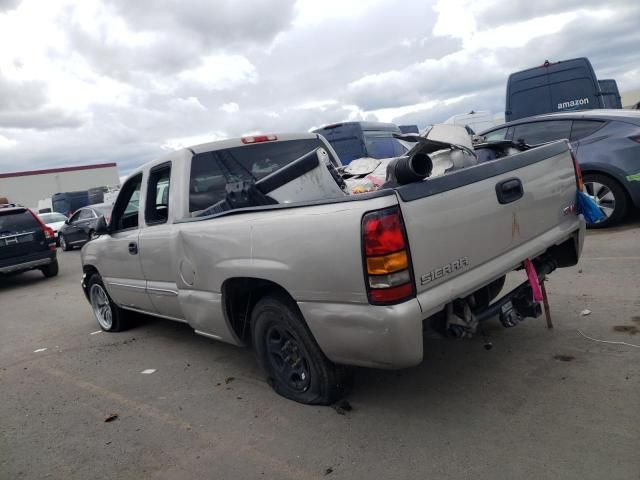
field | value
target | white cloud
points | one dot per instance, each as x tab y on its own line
7	142
221	72
231	107
313	12
187	104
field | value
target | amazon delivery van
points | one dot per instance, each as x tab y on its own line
553	87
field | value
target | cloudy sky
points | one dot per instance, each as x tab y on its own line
91	81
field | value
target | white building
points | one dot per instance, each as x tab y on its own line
26	188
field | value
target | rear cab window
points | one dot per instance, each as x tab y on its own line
212	171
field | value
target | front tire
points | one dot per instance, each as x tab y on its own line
63	243
609	196
296	367
110	317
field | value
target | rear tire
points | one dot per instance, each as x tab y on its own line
50	270
610	197
296	367
110	317
63	243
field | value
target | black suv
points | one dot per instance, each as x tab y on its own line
25	242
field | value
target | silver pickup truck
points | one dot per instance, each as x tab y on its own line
316	286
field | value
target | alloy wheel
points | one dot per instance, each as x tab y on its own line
101	306
602	196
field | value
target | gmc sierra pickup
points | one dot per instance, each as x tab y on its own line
318	285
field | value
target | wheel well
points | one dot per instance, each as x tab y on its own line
239	296
88	271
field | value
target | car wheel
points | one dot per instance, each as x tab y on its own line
63	244
296	367
609	196
110	317
50	270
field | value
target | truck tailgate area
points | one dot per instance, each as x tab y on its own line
475	221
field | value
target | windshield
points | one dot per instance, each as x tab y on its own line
52	217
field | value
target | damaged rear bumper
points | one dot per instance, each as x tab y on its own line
385	337
391	337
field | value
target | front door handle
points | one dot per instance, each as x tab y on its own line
133	248
509	190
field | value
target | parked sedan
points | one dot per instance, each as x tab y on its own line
607	145
80	228
55	221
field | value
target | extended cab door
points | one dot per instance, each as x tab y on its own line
120	264
155	238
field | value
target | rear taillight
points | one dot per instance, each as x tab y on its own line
258	138
635	138
578	170
49	234
387	261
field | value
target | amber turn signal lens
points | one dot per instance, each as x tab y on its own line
387	263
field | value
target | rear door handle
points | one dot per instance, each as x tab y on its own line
509	190
133	248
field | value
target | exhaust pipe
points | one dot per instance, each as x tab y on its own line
404	170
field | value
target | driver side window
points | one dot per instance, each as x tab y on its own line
74	218
125	211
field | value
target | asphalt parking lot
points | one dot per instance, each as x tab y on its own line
541	404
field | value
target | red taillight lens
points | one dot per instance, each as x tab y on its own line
258	138
578	170
49	234
387	268
385	296
383	233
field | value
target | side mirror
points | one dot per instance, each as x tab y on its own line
101	227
